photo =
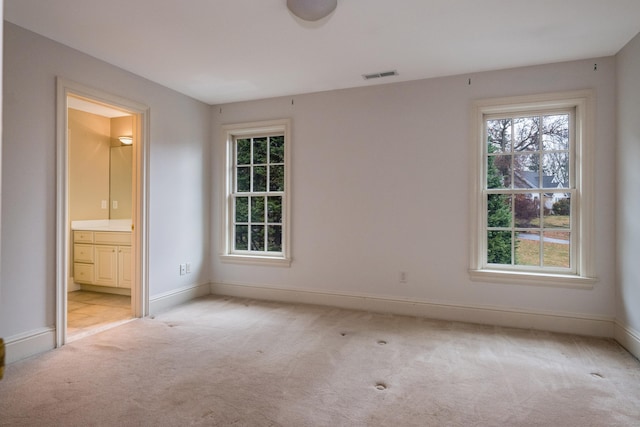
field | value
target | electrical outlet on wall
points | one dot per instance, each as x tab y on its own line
103	204
183	269
188	267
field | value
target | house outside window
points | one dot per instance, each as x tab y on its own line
256	225
533	183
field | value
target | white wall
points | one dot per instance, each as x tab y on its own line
380	185
628	233
179	177
1	132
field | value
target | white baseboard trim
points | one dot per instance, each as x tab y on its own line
554	322
28	344
175	297
628	338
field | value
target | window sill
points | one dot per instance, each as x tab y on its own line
534	279
256	260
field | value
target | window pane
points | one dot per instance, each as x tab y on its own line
260	151
499	247
499	171
256	197
499	136
498	210
555	134
257	209
526	133
559	215
242	237
274	209
257	238
526	171
242	209
527	210
527	182
276	178
555	167
556	248
528	249
276	153
243	179
259	178
243	147
274	242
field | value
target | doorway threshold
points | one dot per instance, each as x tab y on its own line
97	329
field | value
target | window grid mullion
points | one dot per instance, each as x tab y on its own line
251	167
512	144
268	164
541	220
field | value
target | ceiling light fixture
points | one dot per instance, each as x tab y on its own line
126	140
311	10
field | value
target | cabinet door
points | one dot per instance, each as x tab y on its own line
124	267
106	265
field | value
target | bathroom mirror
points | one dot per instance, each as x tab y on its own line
120	180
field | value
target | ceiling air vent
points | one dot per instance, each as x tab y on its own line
379	75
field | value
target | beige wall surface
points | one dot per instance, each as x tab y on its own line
89	144
121	126
121	169
120	175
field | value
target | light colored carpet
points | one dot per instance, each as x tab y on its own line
225	361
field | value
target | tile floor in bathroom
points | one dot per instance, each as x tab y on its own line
88	312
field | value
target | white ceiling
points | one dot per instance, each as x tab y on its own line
221	51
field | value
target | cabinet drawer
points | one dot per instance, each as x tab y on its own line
83	253
82	236
112	238
83	273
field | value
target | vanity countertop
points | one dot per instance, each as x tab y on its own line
102	225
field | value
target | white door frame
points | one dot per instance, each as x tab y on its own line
140	235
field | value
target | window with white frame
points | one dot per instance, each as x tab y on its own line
257	196
532	210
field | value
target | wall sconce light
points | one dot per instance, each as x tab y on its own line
311	10
126	140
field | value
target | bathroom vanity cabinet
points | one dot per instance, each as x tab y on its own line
102	258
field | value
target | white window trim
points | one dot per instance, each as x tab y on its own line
584	104
229	133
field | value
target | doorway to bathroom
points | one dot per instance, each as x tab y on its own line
101	218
